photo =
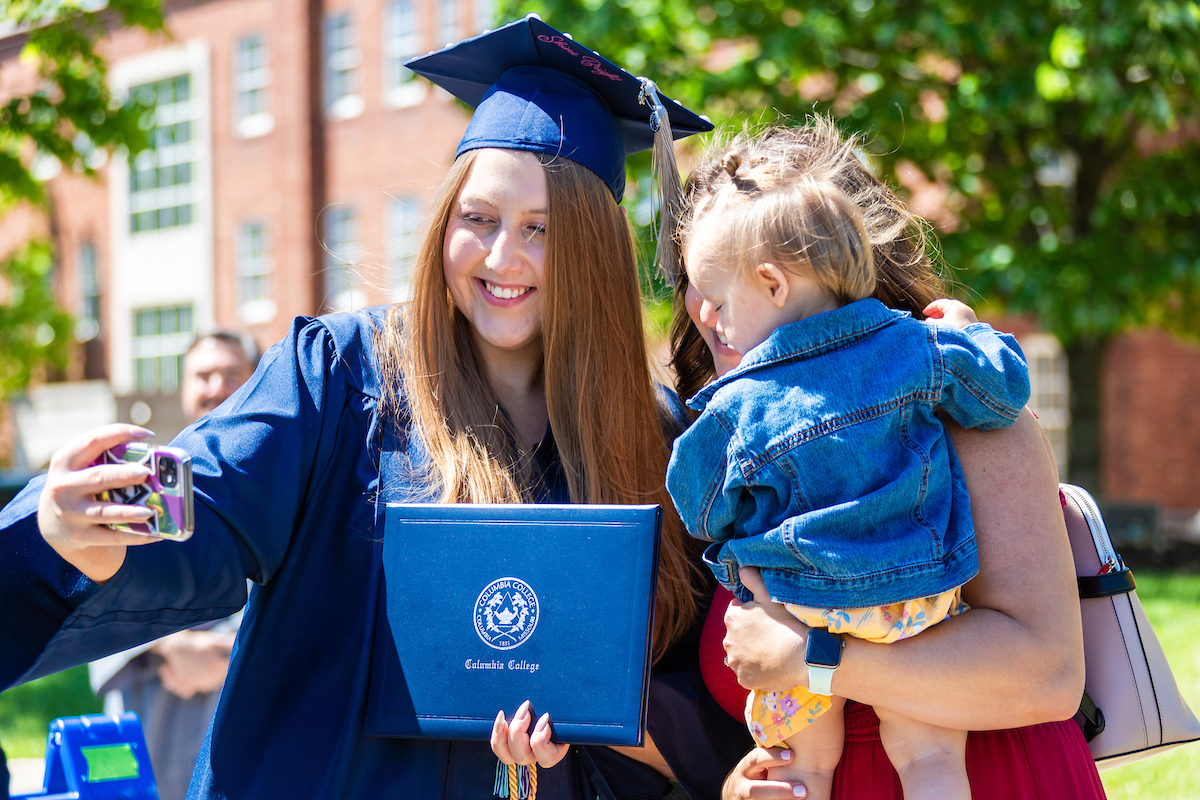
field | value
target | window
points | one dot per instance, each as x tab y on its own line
255	268
251	84
342	245
160	338
404	219
1049	391
162	181
402	40
87	325
342	99
485	15
447	22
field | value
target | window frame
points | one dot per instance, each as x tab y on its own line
343	89
252	80
1050	392
179	197
401	89
255	264
161	348
343	251
404	217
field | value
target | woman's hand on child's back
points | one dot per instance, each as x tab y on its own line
950	311
513	744
764	644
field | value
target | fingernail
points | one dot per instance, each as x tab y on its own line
544	720
144	433
786	755
799	791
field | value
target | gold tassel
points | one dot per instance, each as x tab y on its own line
515	782
666	186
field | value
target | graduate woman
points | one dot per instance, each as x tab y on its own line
517	373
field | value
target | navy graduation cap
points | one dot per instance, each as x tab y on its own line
536	89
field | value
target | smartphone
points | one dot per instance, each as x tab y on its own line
167	492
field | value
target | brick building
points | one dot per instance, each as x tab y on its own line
296	160
284	182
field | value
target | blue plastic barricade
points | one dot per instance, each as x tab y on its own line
97	757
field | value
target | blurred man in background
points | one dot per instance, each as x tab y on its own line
173	683
213	368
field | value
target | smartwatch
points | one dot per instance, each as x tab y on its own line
822	656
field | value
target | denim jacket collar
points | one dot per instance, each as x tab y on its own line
808	338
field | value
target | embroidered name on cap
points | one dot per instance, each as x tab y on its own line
587	61
506	613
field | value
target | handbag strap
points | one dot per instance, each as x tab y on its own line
1089	718
1106	585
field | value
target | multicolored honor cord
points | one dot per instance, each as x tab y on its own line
515	781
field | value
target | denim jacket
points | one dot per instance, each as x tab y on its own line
820	460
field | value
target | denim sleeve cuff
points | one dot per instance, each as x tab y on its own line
719	558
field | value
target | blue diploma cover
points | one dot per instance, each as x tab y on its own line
486	606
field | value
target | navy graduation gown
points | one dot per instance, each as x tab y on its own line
287	476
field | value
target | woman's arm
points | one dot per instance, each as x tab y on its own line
1015	659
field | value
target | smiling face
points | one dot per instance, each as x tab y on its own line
494	252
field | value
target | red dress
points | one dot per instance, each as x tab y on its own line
1050	761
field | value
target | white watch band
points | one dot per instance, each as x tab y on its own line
820	679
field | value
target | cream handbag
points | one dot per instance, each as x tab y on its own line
1131	707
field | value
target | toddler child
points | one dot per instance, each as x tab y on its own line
820	458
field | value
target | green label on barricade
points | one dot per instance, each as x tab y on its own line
112	762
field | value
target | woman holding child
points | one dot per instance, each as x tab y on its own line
518	373
1015	659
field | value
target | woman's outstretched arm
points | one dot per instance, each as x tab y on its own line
1015	659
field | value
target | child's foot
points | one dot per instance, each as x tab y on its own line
930	760
935	776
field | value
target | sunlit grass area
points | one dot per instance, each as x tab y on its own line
1172	603
26	711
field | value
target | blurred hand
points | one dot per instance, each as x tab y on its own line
194	662
748	781
73	521
513	745
764	644
952	311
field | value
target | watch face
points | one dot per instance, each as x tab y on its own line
824	649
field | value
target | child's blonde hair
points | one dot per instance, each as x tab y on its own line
906	277
766	211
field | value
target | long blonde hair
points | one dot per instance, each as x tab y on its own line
905	277
611	431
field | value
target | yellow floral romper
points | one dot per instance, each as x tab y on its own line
774	716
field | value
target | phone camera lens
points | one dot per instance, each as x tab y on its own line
166	472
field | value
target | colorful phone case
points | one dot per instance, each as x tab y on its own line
167	492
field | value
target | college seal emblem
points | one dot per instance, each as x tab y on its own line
506	613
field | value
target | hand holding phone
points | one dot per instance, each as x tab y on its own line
167	491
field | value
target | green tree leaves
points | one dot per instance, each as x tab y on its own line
1057	130
69	117
33	329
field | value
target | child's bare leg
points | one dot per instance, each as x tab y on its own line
816	750
931	761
